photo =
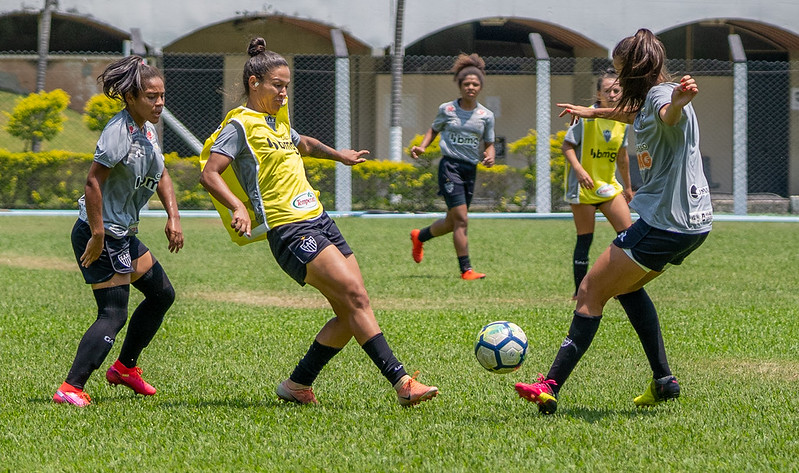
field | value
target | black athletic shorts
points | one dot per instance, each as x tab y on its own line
294	245
117	256
456	181
654	249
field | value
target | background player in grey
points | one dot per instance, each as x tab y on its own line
464	125
675	216
128	168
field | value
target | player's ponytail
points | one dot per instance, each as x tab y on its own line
128	74
642	58
261	62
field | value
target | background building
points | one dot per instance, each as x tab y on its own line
201	50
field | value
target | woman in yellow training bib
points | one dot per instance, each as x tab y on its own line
256	140
593	149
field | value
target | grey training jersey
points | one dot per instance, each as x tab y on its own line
462	131
136	166
674	195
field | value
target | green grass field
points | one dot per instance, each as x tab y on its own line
74	137
239	325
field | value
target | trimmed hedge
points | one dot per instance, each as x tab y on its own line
55	180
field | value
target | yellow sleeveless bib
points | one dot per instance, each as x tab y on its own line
276	190
600	145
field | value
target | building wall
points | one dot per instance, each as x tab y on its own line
77	77
234	36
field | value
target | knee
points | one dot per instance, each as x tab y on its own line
112	306
167	295
460	221
155	285
357	297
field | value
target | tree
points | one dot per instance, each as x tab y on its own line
39	116
526	146
98	110
431	153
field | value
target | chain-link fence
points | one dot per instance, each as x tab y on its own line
201	88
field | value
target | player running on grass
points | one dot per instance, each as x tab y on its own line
256	140
128	168
675	217
593	148
464	125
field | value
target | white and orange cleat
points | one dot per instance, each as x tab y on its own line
411	392
300	395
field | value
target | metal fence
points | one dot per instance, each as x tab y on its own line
201	88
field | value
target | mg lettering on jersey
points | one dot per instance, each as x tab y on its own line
150	183
469	140
305	201
609	155
282	144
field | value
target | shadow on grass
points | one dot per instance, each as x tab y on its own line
194	403
593	414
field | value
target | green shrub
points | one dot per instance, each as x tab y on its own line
39	116
49	180
526	146
98	110
56	179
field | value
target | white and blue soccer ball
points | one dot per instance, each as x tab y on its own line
501	347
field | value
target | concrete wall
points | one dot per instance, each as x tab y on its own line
77	77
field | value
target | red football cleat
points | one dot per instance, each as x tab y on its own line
130	377
68	394
418	250
471	275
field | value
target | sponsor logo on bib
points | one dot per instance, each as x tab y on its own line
605	190
305	201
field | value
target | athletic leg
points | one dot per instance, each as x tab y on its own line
644	319
339	279
159	295
613	273
617	212
584	222
112	313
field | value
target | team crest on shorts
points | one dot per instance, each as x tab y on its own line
449	186
308	244
124	259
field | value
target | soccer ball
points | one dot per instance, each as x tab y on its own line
501	347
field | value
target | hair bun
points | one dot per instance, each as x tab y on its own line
257	46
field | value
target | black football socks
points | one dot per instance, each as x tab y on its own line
581	334
644	318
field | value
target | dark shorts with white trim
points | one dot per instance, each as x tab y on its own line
117	257
456	181
654	249
296	244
